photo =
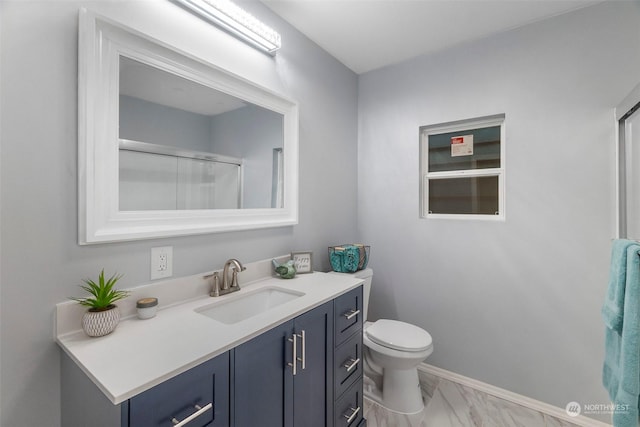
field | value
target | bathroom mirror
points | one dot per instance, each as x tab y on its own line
170	145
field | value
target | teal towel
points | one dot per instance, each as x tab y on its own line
351	258
345	259
612	310
621	314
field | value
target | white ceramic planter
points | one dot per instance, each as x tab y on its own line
100	323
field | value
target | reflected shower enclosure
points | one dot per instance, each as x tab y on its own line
185	146
180	180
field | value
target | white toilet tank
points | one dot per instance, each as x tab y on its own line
366	275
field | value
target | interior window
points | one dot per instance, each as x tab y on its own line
462	169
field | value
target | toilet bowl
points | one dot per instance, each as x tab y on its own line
392	352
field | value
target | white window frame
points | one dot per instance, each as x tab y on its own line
426	176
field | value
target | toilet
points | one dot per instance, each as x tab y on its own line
392	352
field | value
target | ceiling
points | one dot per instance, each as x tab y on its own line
369	34
146	82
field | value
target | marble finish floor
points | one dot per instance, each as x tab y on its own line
449	404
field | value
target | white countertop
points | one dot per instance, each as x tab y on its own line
140	354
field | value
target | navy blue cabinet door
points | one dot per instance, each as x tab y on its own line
313	384
266	393
263	383
203	389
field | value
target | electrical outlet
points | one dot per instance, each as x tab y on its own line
161	262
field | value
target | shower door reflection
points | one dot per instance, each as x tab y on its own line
632	154
628	116
152	181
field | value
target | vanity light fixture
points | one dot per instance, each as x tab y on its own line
237	21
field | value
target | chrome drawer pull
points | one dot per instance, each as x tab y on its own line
303	345
354	413
294	360
193	416
351	364
349	315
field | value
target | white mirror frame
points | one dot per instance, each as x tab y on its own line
101	42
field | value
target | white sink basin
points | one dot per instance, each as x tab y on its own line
240	307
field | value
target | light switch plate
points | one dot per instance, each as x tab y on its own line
161	262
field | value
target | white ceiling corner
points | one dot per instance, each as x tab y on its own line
368	34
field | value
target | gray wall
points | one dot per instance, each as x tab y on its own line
516	303
42	263
146	121
253	144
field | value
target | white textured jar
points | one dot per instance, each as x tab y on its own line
147	307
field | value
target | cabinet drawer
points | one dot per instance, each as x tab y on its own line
348	314
348	409
348	363
201	390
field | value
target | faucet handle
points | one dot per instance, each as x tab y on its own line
236	268
215	290
234	279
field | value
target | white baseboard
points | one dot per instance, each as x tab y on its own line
510	396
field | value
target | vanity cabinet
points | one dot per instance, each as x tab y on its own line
283	377
348	361
348	315
306	372
198	397
348	364
326	387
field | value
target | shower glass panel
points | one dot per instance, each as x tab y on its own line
151	181
627	114
227	194
632	160
195	184
147	181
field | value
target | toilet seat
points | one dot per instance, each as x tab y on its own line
399	336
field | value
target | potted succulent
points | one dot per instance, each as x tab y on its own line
103	315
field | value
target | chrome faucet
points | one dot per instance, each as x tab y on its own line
225	287
236	267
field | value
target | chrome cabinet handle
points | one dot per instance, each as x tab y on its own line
352	363
193	416
351	313
294	360
354	413
303	346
